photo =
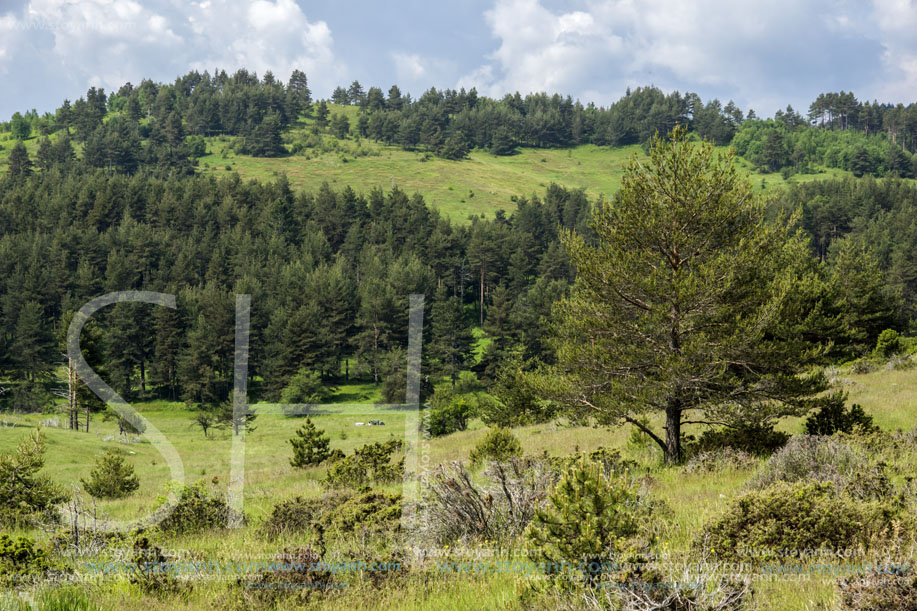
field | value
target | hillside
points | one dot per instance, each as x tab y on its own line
480	184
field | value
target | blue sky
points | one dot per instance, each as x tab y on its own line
762	55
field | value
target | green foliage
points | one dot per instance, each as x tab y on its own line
310	447
20	558
24	493
755	439
112	477
587	518
835	417
800	516
685	229
305	387
299	515
370	464
450	418
197	509
373	510
516	402
499	445
888	343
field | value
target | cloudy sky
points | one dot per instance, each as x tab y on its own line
763	55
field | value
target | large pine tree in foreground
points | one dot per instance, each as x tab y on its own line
688	304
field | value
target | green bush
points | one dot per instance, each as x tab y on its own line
197	509
23	493
112	477
797	516
755	439
370	464
373	510
299	515
499	445
305	387
450	418
888	343
311	447
20	558
587	518
515	402
835	417
810	459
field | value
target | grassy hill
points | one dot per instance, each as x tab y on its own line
481	184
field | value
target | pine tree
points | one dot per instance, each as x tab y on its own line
310	446
299	97
24	493
451	338
20	166
112	477
586	519
685	302
33	344
321	114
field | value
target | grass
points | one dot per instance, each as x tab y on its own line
694	499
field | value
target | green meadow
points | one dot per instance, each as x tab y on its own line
694	499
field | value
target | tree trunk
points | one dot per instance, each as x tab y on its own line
673	431
482	295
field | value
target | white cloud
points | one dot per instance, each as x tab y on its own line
77	43
408	66
754	53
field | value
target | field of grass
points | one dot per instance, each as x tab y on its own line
695	499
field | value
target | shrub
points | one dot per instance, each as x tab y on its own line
373	510
312	446
149	569
888	343
112	478
802	515
298	573
24	493
457	509
824	459
450	418
756	439
834	417
305	387
516	402
370	464
862	366
587	517
19	558
298	515
499	445
197	510
869	592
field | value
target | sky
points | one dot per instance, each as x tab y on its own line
762	55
